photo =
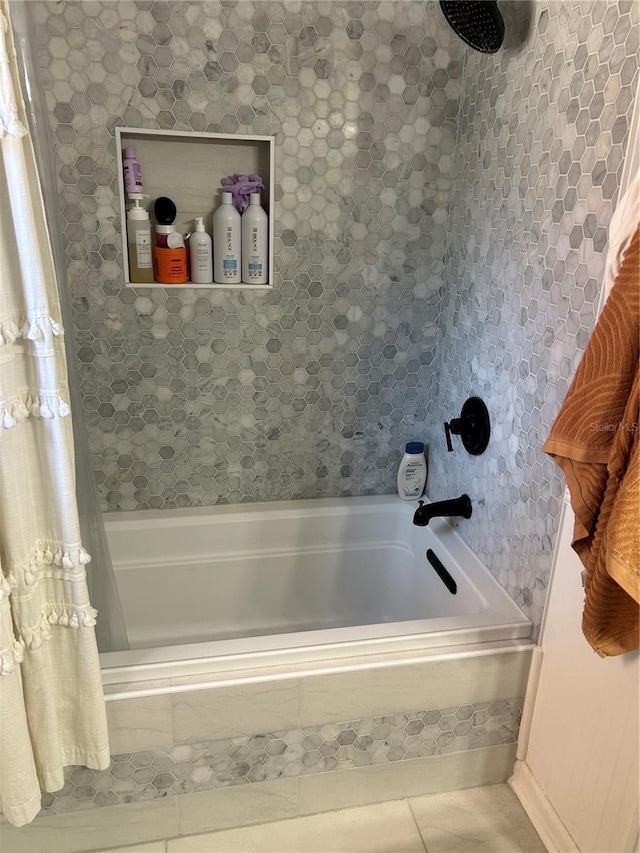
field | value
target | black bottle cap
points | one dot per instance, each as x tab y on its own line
165	210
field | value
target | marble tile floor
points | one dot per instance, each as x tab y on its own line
483	820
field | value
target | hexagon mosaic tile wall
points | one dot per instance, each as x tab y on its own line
440	231
541	141
190	768
193	397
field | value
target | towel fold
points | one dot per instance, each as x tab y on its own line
594	440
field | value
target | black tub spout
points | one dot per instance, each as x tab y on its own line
456	506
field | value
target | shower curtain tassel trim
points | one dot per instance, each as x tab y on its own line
32	332
11	127
9	331
11	657
34	329
12	414
45	556
5	587
40	328
64	615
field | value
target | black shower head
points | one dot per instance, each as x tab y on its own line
477	22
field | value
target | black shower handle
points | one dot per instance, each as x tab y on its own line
472	426
451	427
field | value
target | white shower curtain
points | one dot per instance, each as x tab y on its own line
52	710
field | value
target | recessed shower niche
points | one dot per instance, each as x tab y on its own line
187	166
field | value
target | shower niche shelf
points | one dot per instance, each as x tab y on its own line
187	166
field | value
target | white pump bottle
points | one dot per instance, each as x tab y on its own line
201	254
139	242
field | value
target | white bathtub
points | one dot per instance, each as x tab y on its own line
283	583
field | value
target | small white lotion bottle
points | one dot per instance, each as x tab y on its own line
255	239
412	473
201	254
227	224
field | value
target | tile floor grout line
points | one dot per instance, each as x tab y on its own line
479	834
415	820
299	817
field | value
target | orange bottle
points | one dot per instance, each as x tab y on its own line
170	253
171	265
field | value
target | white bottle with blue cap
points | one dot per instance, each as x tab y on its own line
412	473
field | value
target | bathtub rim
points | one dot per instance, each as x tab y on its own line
179	661
297	648
358	505
179	682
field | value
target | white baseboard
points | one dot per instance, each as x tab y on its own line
550	828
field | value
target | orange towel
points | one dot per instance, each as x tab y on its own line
594	440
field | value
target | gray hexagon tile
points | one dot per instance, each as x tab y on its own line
440	231
188	768
541	140
192	397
